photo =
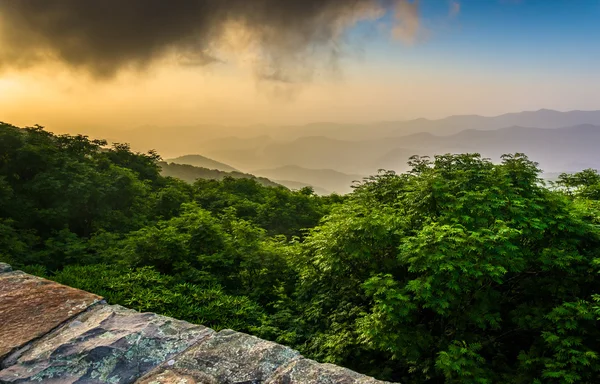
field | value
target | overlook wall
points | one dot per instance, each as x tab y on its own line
51	333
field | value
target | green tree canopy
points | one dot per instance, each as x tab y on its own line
458	271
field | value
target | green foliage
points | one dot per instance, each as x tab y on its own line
58	189
191	173
585	183
278	210
57	193
458	271
146	290
70	206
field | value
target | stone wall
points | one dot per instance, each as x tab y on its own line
51	333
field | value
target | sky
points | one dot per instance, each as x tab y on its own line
68	68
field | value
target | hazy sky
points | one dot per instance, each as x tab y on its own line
376	60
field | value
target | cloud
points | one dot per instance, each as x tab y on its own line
408	23
283	39
454	9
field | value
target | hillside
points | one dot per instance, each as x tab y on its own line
297	185
190	174
327	179
202	162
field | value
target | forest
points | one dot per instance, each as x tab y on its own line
460	270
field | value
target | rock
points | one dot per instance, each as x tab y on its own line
178	376
106	344
54	334
227	357
31	306
5	268
305	371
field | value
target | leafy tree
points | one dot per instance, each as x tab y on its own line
465	271
146	290
585	183
278	210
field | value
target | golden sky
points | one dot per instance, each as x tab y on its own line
183	96
431	67
172	95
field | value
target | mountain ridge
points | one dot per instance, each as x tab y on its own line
173	141
202	162
327	179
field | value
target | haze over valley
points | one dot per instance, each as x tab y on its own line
330	157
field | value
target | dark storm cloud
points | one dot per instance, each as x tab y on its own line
104	36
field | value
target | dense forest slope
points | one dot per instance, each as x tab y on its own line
296	185
459	271
192	173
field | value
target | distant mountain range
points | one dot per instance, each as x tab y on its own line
329	157
543	118
556	150
175	141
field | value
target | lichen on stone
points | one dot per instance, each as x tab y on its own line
110	344
5	268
